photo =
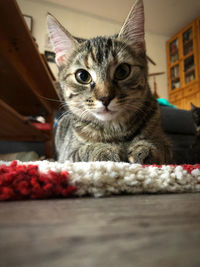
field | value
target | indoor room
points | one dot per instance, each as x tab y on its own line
100	133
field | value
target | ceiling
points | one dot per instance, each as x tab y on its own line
164	17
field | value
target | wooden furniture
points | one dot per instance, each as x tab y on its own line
183	60
25	81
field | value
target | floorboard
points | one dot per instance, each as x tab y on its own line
140	230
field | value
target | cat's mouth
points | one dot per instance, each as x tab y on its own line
106	111
106	114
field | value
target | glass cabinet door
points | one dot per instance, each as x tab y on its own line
188	56
187	41
189	69
173	51
175	77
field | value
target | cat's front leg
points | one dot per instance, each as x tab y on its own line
97	152
143	152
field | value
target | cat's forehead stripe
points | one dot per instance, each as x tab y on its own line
92	55
100	48
86	62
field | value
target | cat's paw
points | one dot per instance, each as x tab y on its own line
98	152
143	155
105	155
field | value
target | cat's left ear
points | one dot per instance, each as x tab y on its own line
62	41
133	28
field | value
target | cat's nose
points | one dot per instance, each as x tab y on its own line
105	100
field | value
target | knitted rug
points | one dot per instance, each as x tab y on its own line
44	179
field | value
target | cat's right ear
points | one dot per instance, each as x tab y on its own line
133	28
62	41
192	106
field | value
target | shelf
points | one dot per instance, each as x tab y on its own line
16	127
176	88
175	79
174	64
189	71
185	43
188	55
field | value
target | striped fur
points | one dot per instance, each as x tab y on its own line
196	118
109	119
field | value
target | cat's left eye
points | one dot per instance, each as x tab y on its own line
83	76
122	71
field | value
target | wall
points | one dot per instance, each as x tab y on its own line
85	25
156	49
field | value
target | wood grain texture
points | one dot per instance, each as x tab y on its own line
141	230
16	127
20	59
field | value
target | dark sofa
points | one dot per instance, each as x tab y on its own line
178	125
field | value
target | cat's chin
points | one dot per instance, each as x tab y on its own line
106	115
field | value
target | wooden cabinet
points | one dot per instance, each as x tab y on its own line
183	61
26	85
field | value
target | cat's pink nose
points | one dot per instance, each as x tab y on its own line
105	100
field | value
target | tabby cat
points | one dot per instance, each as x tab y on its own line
196	118
112	115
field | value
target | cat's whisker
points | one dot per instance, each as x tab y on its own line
82	113
64	114
50	99
62	107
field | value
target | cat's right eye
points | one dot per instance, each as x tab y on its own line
83	76
122	72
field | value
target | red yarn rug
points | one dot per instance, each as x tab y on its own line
43	179
20	181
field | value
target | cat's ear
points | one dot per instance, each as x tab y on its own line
62	41
192	106
133	28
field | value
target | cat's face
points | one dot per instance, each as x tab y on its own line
104	77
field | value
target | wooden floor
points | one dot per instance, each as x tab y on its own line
143	230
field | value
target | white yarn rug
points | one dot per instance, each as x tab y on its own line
109	178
